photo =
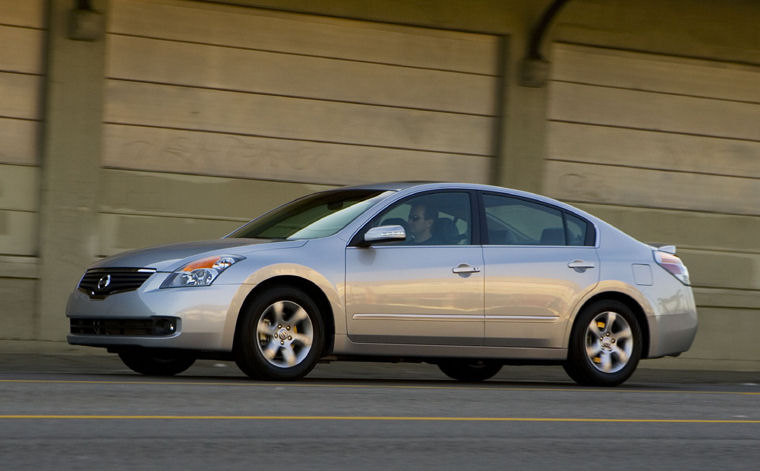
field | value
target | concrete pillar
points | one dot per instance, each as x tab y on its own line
71	145
521	129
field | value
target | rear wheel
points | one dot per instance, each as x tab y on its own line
156	363
469	370
280	336
605	345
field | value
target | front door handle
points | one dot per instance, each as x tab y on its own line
463	268
581	265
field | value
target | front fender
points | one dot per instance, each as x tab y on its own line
332	289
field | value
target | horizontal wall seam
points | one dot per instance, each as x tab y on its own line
656	92
194	217
301	54
695	211
296	97
318	141
222	176
16	210
718	250
725	288
18	72
359	19
664	131
654	169
701	291
20	118
703	60
20	277
166	172
728	308
229	176
18	164
244	179
36	28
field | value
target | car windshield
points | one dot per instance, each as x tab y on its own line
313	216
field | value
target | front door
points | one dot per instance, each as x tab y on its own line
427	290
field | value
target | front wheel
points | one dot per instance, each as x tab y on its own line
280	335
605	345
469	370
151	363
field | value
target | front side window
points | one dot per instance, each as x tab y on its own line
313	216
442	218
516	221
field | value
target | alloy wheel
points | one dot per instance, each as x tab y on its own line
285	334
609	342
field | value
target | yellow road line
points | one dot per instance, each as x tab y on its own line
373	418
307	384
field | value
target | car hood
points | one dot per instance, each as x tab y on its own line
170	257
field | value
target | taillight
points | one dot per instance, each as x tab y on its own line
673	265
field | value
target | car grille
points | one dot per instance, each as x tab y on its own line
100	282
155	326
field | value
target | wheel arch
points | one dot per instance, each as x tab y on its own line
308	287
632	304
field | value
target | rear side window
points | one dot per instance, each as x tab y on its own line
517	221
577	230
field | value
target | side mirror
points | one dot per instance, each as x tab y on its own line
384	234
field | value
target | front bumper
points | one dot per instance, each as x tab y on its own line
203	317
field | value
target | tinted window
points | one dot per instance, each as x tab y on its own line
515	221
431	219
577	230
317	215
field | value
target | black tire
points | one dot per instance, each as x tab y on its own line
600	352
469	370
271	337
152	363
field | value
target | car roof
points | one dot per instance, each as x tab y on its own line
387	186
430	185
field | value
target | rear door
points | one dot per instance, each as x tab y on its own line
539	261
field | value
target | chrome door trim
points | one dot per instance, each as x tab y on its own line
417	317
532	318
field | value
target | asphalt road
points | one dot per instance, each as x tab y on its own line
87	412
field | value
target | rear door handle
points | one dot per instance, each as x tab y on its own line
463	268
581	264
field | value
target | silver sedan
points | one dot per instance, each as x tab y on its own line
467	277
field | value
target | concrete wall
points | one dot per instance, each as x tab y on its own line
274	105
85	200
22	69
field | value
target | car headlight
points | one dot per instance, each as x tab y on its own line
200	272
